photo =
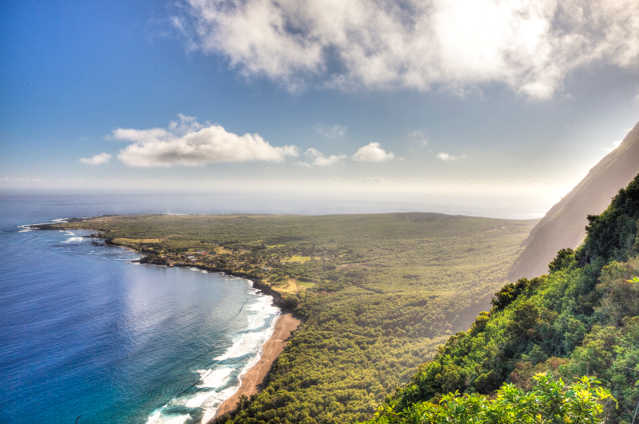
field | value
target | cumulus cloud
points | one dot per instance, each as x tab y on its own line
529	45
372	153
447	156
98	159
187	142
318	158
331	132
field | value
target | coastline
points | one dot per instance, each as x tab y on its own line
257	280
254	380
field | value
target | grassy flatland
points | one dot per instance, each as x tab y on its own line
379	292
297	258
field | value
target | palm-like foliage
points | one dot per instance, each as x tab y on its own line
549	402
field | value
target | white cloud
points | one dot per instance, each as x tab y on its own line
615	144
318	158
331	132
98	159
418	137
447	156
372	153
529	45
187	142
373	181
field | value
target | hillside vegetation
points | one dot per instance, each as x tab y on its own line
582	319
563	225
379	293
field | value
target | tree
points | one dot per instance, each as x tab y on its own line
549	401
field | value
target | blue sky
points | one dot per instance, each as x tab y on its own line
435	96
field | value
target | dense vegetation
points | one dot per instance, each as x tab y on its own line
582	319
549	401
378	293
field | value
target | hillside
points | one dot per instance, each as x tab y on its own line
582	319
378	292
564	224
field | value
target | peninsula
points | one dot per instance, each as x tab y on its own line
376	293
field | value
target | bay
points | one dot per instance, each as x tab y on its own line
84	332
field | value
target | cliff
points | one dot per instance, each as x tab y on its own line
564	224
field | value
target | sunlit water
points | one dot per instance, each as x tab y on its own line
85	332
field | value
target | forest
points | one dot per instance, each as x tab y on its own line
578	321
378	293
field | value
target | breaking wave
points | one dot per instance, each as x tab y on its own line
198	403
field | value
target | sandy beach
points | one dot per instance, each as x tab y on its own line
254	379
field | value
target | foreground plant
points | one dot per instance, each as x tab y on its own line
549	401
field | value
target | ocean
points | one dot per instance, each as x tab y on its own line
85	332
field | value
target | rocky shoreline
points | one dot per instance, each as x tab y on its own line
149	259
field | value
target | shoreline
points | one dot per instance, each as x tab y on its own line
254	380
257	280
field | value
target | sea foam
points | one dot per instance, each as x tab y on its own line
73	239
224	378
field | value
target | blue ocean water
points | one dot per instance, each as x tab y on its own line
85	332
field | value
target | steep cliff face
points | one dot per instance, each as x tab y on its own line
564	224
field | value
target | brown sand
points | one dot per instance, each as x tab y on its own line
255	378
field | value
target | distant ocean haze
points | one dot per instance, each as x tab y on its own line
523	204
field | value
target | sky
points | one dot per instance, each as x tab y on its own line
504	98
